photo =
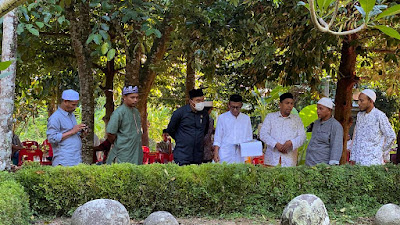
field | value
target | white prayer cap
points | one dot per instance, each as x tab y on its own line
370	93
208	104
70	95
327	102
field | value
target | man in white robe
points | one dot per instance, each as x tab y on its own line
233	127
373	133
283	133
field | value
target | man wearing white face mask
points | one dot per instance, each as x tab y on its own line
187	126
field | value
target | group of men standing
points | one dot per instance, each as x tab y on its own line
123	131
191	127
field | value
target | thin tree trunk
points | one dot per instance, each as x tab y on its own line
52	104
7	87
108	90
344	89
190	73
147	75
133	63
79	17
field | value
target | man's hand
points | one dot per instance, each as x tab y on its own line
73	131
287	146
279	146
216	155
79	127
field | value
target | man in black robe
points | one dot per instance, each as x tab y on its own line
187	126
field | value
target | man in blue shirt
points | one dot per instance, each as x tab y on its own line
187	126
64	133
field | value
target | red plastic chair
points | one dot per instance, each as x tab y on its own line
163	157
258	160
146	151
29	155
29	144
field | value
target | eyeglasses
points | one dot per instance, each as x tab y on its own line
235	107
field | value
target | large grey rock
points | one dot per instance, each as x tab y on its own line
160	218
101	211
388	214
305	209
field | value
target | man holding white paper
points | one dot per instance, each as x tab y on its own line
233	127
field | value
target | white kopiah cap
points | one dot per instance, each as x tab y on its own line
327	102
370	93
70	95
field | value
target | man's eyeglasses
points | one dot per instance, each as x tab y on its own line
236	107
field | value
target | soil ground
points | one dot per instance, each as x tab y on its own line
210	221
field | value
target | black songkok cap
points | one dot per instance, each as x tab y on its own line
195	93
285	96
164	131
235	98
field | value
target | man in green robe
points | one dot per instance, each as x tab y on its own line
124	130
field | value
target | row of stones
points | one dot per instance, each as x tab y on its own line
304	209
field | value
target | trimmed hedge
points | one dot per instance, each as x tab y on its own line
210	189
14	202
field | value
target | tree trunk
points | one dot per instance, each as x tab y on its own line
147	75
53	102
344	91
7	87
108	90
79	17
133	62
190	73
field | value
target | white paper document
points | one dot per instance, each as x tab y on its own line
251	148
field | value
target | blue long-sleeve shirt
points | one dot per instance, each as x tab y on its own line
69	151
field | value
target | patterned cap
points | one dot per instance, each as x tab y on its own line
130	90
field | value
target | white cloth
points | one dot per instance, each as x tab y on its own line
229	132
96	140
373	135
279	129
349	144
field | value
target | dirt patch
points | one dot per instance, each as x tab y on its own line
210	221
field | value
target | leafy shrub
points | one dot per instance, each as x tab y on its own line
14	202
210	189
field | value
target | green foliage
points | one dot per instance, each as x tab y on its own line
370	10
158	118
14	202
308	115
5	65
210	189
265	104
388	31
